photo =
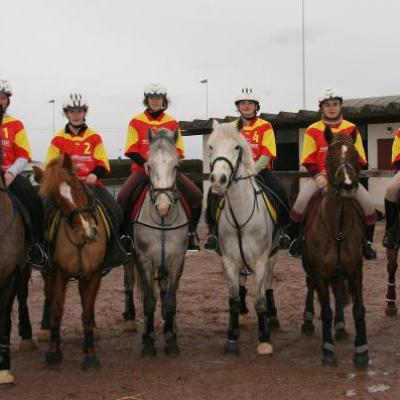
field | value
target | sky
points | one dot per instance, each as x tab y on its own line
108	50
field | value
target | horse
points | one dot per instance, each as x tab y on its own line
391	256
332	245
245	229
78	249
14	277
160	233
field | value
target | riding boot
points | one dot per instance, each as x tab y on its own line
36	254
211	242
126	237
391	238
193	244
368	248
292	232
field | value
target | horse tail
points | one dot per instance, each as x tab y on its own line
341	289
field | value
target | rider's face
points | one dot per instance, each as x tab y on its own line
247	108
155	102
75	116
3	100
331	108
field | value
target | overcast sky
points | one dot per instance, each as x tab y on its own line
108	50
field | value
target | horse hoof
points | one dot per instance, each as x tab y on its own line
242	319
130	326
90	363
307	329
54	357
341	334
273	323
43	335
149	351
391	310
232	347
27	345
329	360
6	377
171	350
264	348
361	360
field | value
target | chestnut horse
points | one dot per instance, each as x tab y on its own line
333	239
77	250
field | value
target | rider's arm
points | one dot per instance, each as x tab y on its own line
100	172
18	166
262	163
136	158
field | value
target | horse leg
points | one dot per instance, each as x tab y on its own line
88	289
242	294
328	348
58	288
7	294
232	277
340	325
262	270
360	358
272	312
391	309
44	333
130	312
24	323
308	328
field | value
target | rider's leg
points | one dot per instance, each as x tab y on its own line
391	238
194	196
210	216
24	190
364	199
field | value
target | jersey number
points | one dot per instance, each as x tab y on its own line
87	149
256	137
5	130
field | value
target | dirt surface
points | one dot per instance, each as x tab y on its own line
202	371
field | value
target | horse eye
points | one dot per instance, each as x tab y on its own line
210	147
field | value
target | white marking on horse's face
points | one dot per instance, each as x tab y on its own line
347	179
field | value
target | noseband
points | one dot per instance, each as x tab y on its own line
234	169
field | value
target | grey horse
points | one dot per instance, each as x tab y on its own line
161	239
245	228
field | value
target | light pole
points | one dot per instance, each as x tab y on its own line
52	101
205	81
303	54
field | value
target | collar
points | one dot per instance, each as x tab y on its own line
81	128
154	115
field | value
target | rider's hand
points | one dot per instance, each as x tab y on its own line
321	181
91	179
8	178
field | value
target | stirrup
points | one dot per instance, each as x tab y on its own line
369	251
295	248
36	255
193	243
127	244
284	241
211	242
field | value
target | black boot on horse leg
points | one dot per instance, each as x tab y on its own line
54	356
360	358
129	314
232	344
391	238
149	305
307	329
272	313
171	348
264	347
90	360
340	303
391	308
328	348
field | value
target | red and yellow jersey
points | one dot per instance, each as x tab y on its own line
86	150
396	148
315	146
137	140
261	138
14	142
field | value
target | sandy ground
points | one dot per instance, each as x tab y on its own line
202	371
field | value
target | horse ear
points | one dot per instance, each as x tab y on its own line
38	173
328	134
67	163
215	124
240	124
175	135
150	135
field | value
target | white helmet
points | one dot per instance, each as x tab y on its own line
247	94
5	87
328	94
154	88
75	100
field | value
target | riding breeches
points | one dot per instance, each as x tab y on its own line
23	189
392	191
361	196
112	206
129	186
270	180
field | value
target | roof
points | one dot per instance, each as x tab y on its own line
364	110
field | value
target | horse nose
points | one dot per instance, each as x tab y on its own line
164	210
212	178
223	179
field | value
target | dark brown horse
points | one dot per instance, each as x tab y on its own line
14	276
333	239
77	251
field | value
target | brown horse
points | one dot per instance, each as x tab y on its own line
14	276
77	251
333	239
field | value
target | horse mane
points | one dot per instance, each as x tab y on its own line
224	132
163	141
54	174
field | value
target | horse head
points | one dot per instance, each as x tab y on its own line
230	156
342	162
162	166
59	182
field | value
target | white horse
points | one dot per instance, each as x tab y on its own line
245	228
161	240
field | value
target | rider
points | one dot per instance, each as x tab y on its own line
85	147
137	145
15	154
261	138
313	159
391	238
